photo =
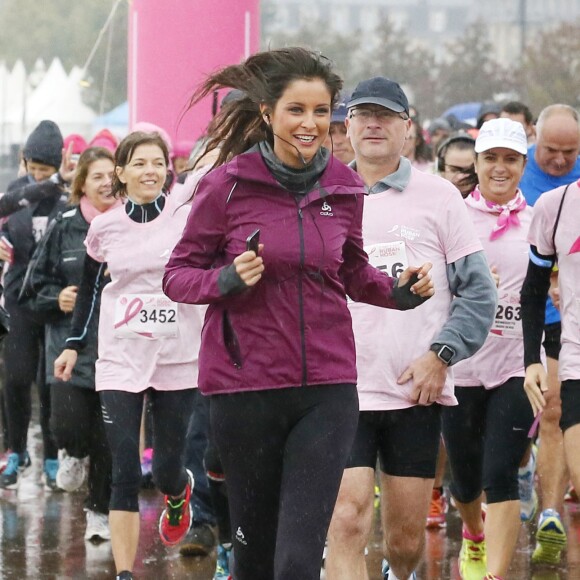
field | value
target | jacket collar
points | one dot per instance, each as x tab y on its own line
337	178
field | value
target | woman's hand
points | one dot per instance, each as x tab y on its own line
535	385
6	253
249	267
67	298
495	276
424	285
65	363
554	291
68	165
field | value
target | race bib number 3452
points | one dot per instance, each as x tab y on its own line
145	315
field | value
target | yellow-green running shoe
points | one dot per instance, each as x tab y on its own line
551	538
472	560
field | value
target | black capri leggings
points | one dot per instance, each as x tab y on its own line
283	453
486	436
77	426
122	414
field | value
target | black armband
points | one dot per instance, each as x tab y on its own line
533	308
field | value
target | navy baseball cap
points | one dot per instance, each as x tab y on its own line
380	91
339	113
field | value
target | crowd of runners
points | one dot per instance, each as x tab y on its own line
322	301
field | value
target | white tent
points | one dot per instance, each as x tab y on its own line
53	95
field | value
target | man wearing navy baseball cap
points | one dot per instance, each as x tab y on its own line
404	375
380	91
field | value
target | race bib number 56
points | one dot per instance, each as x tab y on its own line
390	257
145	315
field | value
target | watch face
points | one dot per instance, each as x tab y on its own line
446	354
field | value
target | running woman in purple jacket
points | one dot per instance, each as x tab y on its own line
277	352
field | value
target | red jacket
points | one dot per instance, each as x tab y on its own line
292	328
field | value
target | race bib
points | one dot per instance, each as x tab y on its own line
39	225
145	315
389	257
508	317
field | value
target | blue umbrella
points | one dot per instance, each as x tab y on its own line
466	112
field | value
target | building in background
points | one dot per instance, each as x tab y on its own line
430	22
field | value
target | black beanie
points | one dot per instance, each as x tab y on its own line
44	145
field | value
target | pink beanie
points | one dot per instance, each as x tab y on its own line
79	143
104	138
147	127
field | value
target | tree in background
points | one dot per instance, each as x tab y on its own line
548	73
341	49
550	70
470	73
395	56
68	30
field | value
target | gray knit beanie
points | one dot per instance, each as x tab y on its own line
45	144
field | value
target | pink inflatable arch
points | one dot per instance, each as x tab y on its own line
172	45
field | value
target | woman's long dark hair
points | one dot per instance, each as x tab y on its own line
263	77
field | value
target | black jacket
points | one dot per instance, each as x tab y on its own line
57	263
19	230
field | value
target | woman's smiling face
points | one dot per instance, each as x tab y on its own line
144	174
300	121
499	171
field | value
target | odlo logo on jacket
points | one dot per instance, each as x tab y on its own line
326	209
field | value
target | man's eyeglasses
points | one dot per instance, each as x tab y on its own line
381	115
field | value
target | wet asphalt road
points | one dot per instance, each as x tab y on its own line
41	537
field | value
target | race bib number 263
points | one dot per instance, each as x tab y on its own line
508	318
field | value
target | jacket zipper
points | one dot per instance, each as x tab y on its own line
301	297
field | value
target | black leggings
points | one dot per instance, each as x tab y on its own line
122	414
218	490
77	426
486	436
283	453
23	365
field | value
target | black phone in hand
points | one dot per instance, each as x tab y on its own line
253	242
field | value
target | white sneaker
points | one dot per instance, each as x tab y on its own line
527	491
97	526
71	473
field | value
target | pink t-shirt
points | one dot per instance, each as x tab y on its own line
426	222
502	355
145	339
568	250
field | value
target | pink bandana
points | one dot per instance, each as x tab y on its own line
90	212
508	213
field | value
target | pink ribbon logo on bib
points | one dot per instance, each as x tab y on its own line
133	308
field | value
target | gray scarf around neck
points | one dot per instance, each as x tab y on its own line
297	181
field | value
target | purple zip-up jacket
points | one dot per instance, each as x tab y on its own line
292	328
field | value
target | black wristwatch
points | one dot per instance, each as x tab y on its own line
444	353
